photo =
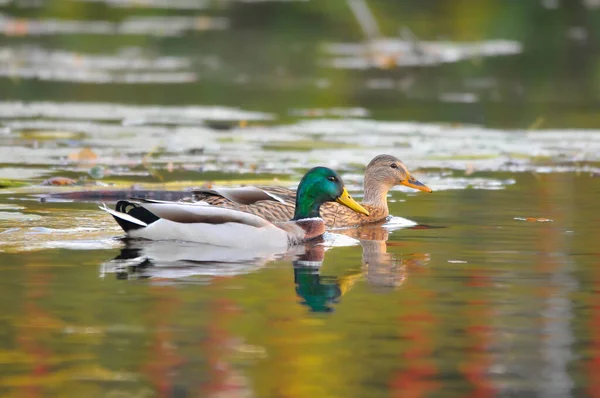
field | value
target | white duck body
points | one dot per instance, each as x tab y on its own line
203	223
244	236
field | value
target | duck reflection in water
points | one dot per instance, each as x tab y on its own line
175	262
382	270
315	291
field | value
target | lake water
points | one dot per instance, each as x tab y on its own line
492	290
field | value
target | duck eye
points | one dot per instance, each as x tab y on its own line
332	178
394	166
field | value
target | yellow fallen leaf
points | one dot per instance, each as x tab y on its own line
533	219
86	155
18	27
470	169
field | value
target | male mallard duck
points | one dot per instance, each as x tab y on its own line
382	173
204	223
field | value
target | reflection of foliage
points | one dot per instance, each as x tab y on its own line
107	335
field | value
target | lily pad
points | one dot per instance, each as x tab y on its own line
41	135
307	145
11	183
16	216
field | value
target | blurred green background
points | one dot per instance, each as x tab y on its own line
273	56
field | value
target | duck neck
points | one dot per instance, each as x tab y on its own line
376	194
307	206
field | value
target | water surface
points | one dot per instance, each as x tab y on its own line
491	290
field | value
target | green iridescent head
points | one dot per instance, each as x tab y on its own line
320	185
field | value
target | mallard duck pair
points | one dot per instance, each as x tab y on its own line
381	174
273	216
205	223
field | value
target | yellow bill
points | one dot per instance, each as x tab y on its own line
413	183
346	200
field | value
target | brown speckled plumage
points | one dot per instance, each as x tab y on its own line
268	209
381	174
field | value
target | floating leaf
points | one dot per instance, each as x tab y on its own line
533	219
39	134
86	155
307	145
537	123
11	183
470	169
59	181
17	216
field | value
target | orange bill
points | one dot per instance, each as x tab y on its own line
414	183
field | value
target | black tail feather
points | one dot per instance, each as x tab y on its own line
136	211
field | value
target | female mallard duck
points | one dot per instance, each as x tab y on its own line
203	223
382	173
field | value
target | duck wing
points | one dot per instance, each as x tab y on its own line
275	204
334	214
242	195
141	213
